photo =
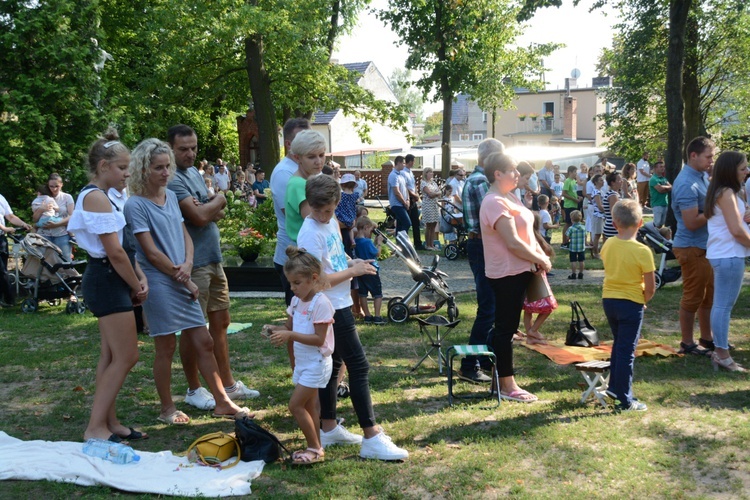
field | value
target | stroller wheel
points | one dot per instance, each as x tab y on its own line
452	312
81	307
659	282
398	312
29	305
451	251
394	300
71	307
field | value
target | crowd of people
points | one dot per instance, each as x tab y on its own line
147	220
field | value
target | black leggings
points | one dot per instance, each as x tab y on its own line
349	350
509	294
7	293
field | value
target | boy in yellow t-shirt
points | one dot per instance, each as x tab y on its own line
628	286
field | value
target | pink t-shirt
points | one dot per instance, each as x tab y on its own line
499	261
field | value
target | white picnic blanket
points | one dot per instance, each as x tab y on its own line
160	473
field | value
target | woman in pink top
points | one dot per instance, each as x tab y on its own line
512	255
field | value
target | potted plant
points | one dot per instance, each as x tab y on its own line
533	116
248	243
521	116
548	115
238	229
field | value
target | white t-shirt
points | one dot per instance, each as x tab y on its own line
643	165
545	219
557	188
4	210
323	241
222	180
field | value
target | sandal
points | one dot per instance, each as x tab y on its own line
308	457
134	435
519	396
533	337
175	418
519	336
242	413
709	344
693	349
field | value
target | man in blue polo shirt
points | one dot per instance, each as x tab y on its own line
688	199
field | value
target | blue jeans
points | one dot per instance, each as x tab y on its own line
481	331
348	349
63	242
729	273
402	218
625	319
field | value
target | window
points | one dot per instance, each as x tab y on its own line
477	137
463	137
484	117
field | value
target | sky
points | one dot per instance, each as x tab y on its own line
584	35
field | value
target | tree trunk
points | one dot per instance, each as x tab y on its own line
446	145
265	114
678	14
694	125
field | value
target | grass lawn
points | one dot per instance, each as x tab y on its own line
692	442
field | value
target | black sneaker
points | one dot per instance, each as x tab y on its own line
634	406
580	276
369	320
475	377
378	320
572	276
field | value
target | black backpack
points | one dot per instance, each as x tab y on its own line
256	443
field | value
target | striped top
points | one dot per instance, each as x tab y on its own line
609	227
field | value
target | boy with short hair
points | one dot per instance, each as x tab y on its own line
557	186
570	200
365	249
546	223
554	209
576	235
628	286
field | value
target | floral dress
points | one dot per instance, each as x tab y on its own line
430	211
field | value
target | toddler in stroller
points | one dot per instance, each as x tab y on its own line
453	229
658	240
49	275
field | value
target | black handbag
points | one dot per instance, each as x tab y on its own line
580	331
256	443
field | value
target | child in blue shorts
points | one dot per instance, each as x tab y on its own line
365	249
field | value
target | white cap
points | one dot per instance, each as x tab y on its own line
347	178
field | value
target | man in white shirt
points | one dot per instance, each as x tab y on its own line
361	189
643	177
280	176
458	181
221	179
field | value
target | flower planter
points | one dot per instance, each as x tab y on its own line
257	276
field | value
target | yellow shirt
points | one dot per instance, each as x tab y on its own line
625	263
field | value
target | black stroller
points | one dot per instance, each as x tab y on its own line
49	276
650	236
428	280
453	229
389	224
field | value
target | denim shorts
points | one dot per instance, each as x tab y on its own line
370	283
104	291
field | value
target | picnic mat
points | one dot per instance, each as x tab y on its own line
160	473
233	328
562	354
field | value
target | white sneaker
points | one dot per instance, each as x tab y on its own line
201	399
339	435
382	448
242	392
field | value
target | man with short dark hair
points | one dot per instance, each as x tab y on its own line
201	213
398	195
689	246
280	176
411	186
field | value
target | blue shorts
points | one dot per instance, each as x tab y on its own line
370	283
104	291
577	256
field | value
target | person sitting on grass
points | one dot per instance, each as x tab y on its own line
310	325
576	235
365	249
628	286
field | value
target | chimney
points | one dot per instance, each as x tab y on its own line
570	119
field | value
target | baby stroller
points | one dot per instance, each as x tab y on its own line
650	236
428	280
389	223
452	227
50	276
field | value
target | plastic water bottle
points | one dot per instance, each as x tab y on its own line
117	453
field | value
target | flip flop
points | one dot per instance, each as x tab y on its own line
134	435
518	396
171	419
242	413
114	438
307	457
